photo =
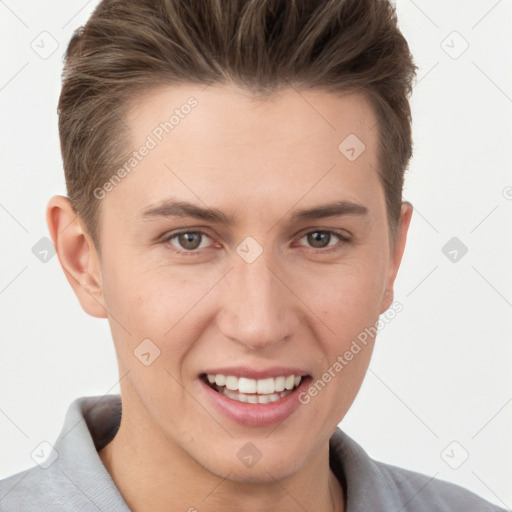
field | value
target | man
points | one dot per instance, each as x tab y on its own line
234	209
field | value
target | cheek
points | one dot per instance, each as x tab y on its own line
349	305
347	299
163	305
151	296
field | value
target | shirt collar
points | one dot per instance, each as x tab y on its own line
92	422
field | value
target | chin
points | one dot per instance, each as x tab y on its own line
275	465
259	473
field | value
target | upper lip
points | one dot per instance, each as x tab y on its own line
261	373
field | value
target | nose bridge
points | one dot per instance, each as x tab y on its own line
256	311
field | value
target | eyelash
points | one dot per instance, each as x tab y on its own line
328	250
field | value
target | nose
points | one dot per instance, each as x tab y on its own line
258	309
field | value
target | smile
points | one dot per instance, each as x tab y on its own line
253	391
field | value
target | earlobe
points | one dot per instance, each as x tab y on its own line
77	255
397	253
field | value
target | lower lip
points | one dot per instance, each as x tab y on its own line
256	415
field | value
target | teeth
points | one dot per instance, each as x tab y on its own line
253	399
263	399
266	387
279	383
246	385
231	382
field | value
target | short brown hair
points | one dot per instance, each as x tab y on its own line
130	46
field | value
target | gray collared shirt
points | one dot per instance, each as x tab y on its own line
73	478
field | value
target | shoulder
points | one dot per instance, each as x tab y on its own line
72	475
31	490
373	485
420	492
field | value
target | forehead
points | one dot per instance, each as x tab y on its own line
218	143
225	112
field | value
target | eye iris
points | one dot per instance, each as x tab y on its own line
319	239
190	240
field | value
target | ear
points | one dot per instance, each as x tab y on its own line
77	255
397	252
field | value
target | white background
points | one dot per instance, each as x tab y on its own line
441	369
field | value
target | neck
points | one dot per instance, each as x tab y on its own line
153	473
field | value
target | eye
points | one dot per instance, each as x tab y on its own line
188	240
322	239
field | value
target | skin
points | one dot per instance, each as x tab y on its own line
257	161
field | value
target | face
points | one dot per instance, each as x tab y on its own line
243	248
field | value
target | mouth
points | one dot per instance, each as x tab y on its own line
253	391
255	398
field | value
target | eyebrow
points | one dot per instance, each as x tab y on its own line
172	208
